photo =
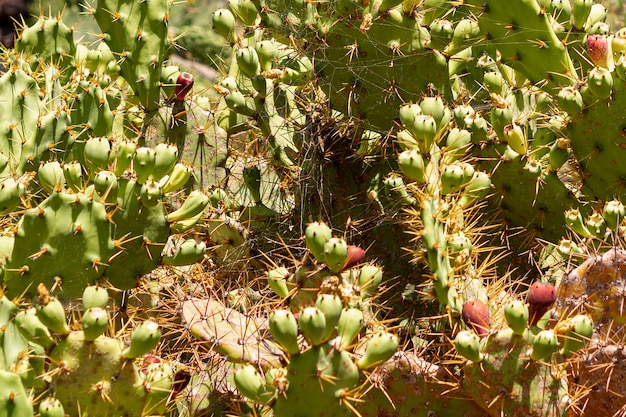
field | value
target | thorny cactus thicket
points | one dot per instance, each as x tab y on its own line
384	207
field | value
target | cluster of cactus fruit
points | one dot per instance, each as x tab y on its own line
480	140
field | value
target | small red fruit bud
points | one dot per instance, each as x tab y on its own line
476	316
541	296
184	82
598	49
355	255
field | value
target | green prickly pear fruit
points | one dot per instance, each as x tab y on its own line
165	158
570	100
145	337
451	179
335	254
143	163
95	321
467	344
196	202
245	11
51	176
412	165
613	213
544	345
620	67
183	226
354	257
541	296
378	350
184	84
476	316
477	125
515	137
51	312
284	329
224	24
501	116
493	81
370	277
600	82
313	325
237	101
248	61
32	329
97	152
580	13
559	153
150	193
598	50
158	384
331	306
441	31
576	331
457	142
168	78
251	384
188	253
178	177
461	112
267	51
596	225
73	174
277	280
10	193
574	220
424	129
408	112
123	157
106	186
350	323
516	315
94	296
316	235
14	401
51	407
477	188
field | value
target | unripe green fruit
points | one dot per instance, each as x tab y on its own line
145	337
350	323
188	253
501	116
408	113
94	296
224	24
97	151
196	202
600	82
178	177
277	280
313	325
544	345
412	165
52	315
559	153
477	188
73	174
284	329
370	277
457	142
143	163
467	344
493	81
124	155
451	179
570	100
424	129
516	315
95	321
316	235
248	61
620	68
245	11
267	50
166	156
238	103
106	186
580	12
331	306
613	213
51	176
51	407
441	31
515	137
335	254
378	350
574	220
461	112
251	384
578	331
150	193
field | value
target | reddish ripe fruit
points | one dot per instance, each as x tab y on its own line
541	296
598	49
476	316
355	255
183	85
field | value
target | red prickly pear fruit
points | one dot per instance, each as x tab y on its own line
183	85
476	316
598	49
355	256
541	296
